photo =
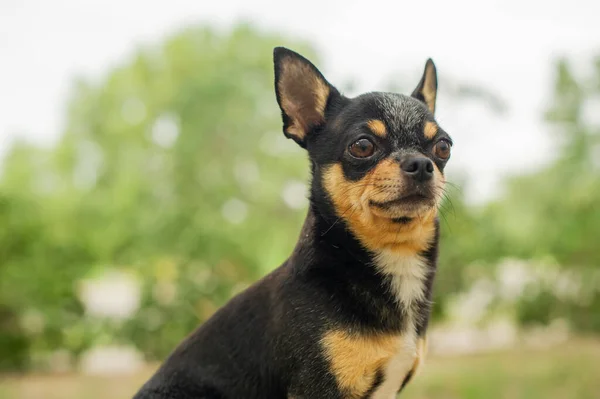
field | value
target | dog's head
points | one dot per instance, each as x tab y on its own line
377	159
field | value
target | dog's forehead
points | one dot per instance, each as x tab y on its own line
400	113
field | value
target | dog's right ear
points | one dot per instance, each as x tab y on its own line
302	94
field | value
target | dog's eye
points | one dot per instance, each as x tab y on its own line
362	148
442	149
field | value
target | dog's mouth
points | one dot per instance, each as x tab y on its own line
402	220
410	200
403	209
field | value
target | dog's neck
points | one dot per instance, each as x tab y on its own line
330	236
326	238
385	284
327	242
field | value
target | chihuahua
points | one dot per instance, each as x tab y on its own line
345	316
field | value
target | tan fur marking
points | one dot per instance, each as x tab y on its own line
303	96
430	130
374	227
355	359
377	127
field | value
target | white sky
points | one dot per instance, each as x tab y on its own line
507	46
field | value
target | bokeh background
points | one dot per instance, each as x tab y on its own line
144	180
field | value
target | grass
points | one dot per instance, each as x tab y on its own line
571	371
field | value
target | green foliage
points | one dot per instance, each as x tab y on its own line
554	212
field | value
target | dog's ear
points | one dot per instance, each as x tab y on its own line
427	88
302	94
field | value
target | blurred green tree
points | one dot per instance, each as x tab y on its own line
554	211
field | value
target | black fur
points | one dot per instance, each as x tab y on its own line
264	343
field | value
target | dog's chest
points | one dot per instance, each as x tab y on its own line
407	274
361	361
397	368
369	363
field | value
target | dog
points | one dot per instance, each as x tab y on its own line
346	315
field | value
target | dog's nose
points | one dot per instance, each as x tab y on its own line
420	168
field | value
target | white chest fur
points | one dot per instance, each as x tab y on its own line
408	274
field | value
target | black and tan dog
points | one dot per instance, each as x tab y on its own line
345	316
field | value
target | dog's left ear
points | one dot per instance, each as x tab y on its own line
302	94
426	90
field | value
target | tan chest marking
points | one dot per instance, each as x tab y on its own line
356	359
396	369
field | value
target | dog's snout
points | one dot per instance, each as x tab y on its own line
419	168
